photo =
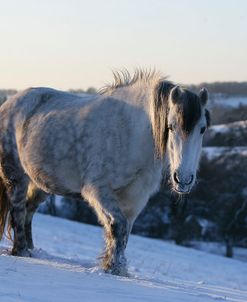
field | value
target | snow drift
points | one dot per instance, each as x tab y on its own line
64	268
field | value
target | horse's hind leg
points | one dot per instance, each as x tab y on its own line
17	197
115	224
34	197
16	184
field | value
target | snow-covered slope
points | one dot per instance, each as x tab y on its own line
231	134
213	152
64	268
233	101
224	128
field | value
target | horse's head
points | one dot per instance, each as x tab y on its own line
186	121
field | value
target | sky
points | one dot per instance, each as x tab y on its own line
76	44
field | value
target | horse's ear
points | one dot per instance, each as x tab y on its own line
176	94
203	95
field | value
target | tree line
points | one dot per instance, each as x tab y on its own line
224	88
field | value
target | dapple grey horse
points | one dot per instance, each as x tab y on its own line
110	148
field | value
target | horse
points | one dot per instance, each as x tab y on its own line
111	148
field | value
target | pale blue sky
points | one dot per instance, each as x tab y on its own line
75	44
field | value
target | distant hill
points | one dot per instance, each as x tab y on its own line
224	88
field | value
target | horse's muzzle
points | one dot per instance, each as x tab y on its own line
182	185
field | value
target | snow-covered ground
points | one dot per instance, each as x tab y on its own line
64	268
225	128
233	101
219	248
213	152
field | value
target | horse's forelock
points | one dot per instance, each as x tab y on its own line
189	111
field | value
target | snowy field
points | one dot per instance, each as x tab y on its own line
213	152
226	128
64	268
233	101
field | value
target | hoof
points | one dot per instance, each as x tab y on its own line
21	253
30	246
116	267
118	271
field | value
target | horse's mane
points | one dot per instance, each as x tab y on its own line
123	78
158	106
159	113
189	111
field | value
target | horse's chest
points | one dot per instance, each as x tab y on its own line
136	195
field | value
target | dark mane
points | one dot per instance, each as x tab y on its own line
160	111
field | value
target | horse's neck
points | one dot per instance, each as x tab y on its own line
138	95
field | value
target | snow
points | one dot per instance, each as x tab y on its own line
233	102
64	268
213	152
224	128
219	248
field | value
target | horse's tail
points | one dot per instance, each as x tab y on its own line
4	210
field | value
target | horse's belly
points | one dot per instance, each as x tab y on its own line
53	177
69	178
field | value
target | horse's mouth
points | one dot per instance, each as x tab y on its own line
182	192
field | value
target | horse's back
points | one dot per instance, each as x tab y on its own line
47	98
38	127
63	140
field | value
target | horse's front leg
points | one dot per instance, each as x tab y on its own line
116	226
116	237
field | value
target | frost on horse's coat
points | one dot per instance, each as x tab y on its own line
109	148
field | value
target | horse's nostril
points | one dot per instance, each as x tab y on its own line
178	181
176	178
183	182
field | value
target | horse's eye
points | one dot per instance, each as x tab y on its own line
170	127
203	129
